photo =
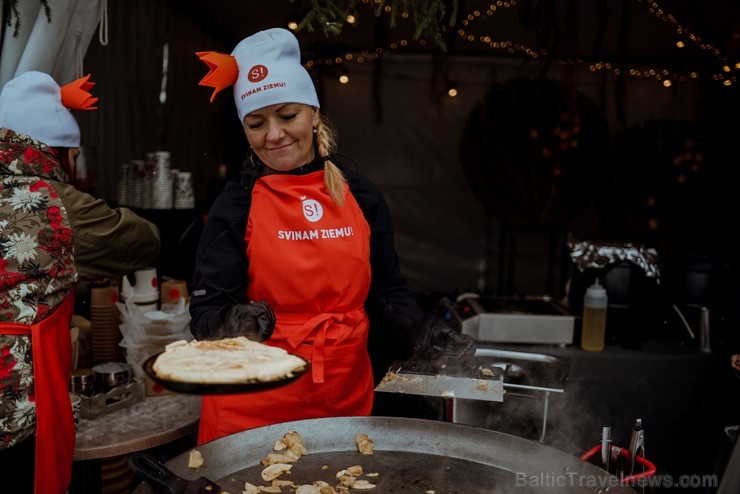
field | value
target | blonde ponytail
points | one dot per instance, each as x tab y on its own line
326	143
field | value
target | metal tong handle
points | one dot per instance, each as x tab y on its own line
161	478
164	481
606	447
637	444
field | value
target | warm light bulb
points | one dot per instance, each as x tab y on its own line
452	92
292	25
344	78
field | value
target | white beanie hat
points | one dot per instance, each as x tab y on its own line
31	104
270	72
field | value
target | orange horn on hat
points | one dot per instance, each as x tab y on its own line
76	95
223	71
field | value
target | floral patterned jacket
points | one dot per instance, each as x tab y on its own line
51	236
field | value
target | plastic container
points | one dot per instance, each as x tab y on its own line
593	328
82	382
110	375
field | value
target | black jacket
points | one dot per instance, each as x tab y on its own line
220	275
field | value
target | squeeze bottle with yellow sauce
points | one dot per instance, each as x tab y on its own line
593	328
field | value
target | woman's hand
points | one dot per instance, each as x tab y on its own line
255	320
436	339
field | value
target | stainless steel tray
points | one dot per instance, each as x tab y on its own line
424	378
534	320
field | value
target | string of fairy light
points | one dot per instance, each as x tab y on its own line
726	75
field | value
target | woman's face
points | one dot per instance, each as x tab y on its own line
282	135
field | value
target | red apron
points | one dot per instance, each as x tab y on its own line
51	345
310	260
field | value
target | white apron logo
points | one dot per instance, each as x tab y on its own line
312	210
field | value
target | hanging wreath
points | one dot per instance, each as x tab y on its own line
533	152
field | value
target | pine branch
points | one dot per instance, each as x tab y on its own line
429	16
12	16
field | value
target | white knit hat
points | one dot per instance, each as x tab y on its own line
270	72
31	104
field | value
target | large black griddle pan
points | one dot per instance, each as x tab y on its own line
218	388
411	455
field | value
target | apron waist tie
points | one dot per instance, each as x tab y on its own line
317	326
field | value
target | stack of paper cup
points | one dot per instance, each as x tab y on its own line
173	291
144	290
161	180
184	196
104	321
147	179
123	184
137	169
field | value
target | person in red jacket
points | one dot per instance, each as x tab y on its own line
52	235
298	251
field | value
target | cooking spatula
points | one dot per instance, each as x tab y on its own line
163	481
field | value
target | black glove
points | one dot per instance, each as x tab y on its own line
254	320
437	339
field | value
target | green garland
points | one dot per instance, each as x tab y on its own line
429	16
12	17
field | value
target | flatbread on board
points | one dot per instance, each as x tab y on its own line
225	361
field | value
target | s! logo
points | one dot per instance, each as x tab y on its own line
257	73
312	210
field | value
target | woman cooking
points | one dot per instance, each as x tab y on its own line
297	249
